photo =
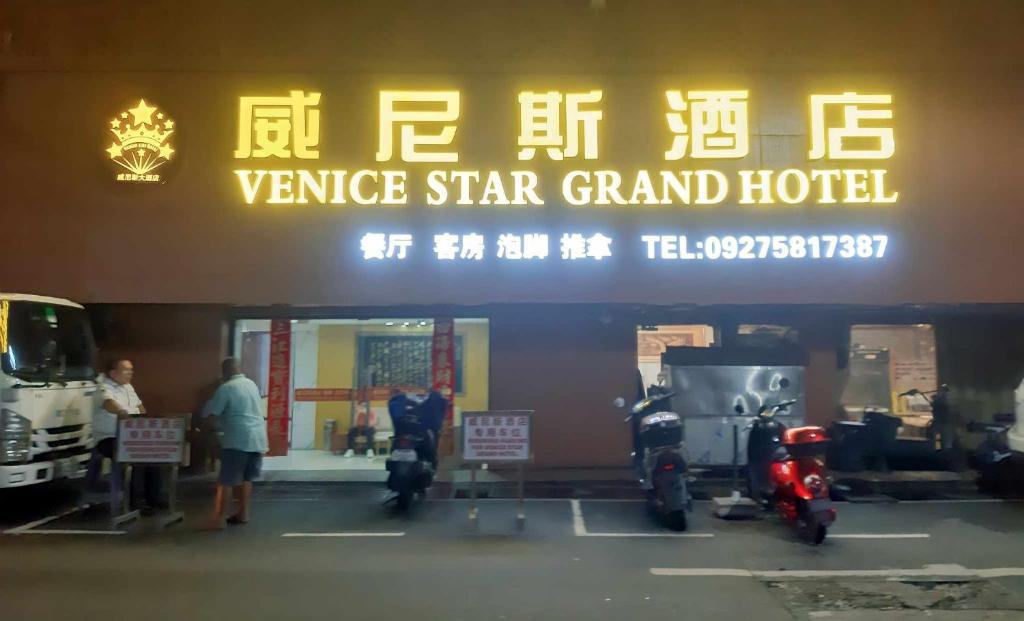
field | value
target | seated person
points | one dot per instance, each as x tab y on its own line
366	426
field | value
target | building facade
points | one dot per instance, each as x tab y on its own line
560	173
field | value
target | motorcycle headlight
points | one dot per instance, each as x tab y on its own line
15	437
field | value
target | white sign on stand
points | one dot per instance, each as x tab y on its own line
149	441
497	436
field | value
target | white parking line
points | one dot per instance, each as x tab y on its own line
880	536
677	535
65	531
19	530
343	534
928	571
961	501
579	527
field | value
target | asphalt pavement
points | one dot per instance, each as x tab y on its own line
330	552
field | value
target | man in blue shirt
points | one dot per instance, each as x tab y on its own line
243	441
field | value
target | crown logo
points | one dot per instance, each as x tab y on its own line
141	142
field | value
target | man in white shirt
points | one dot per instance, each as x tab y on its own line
117	400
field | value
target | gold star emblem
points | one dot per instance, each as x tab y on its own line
169	124
114	151
114	123
142	113
166	151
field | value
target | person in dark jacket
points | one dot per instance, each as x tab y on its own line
431	413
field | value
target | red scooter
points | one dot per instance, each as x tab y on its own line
792	469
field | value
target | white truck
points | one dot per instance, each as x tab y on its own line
1015	434
47	387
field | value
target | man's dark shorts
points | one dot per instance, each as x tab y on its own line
237	467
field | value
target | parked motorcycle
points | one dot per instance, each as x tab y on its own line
764	440
785	469
993	458
941	429
658	458
412	461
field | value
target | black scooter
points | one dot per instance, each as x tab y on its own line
412	462
993	459
661	468
764	446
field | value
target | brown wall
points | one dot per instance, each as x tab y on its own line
954	71
568	365
176	350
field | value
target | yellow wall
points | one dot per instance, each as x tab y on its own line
336	359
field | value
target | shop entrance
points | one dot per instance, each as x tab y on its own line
887	361
340	376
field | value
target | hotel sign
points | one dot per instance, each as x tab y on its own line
277	153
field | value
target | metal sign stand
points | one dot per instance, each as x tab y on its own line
120	499
521	510
474	512
735	506
174	513
474	464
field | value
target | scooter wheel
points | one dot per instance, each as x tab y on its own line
675	520
820	534
812	530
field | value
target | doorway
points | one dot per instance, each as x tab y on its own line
342	372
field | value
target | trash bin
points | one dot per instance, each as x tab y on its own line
329	427
847	447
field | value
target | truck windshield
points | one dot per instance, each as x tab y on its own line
43	342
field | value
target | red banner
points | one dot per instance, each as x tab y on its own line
442	359
279	385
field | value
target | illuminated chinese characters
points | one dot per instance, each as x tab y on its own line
541	124
836	143
385	246
563	130
718	126
523	247
411	111
474	247
280	127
